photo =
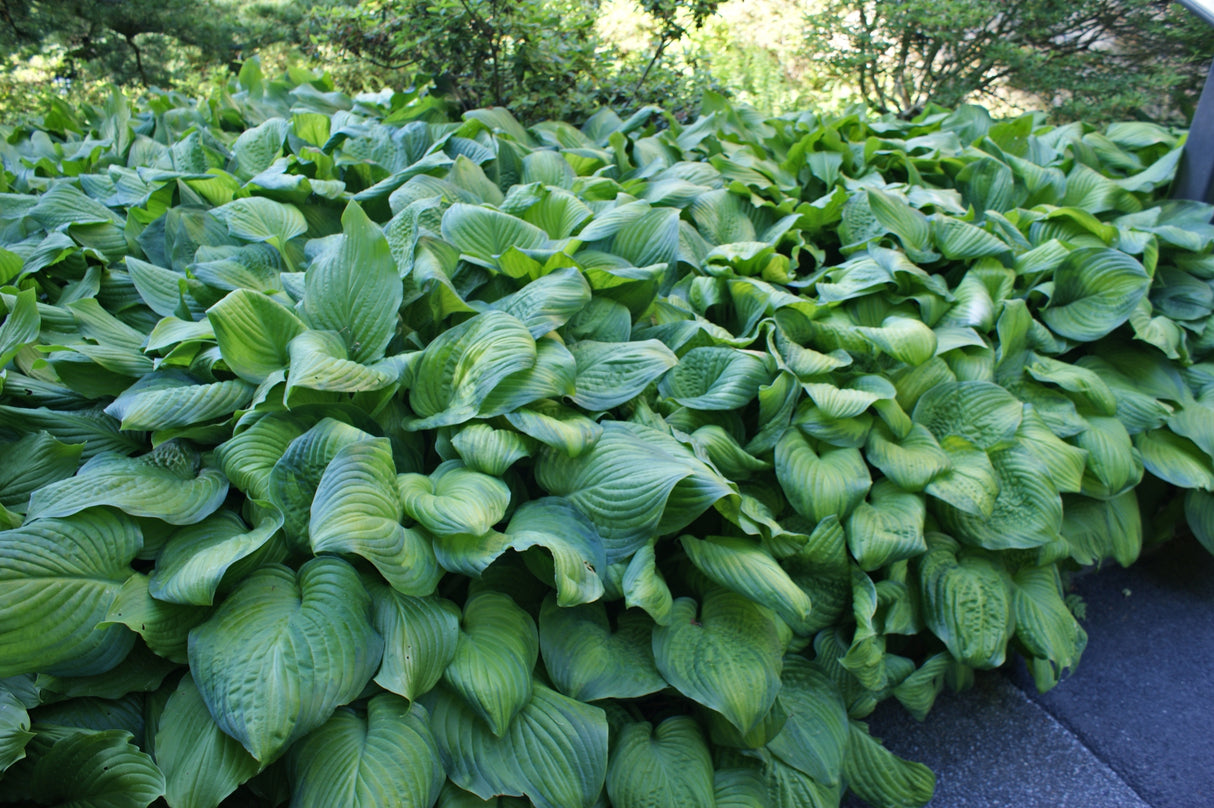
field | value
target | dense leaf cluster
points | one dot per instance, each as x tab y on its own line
356	457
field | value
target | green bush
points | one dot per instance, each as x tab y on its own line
355	456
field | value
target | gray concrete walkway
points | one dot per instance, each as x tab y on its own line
1133	727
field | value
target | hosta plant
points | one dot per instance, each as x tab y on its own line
357	457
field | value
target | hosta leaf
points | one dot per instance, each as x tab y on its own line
357	510
968	605
319	361
1113	465
454	500
167	400
1199	513
201	764
1045	626
610	373
725	654
715	378
58	578
168	483
482	234
1095	290
882	778
1097	529
588	661
666	767
958	240
576	547
386	756
814	736
744	567
419	640
887	528
980	412
106	771
561	428
1175	459
555	751
819	485
459	369
20	327
635	482
547	304
1027	510
551	377
495	655
256	218
353	288
293	478
488	450
903	338
253	332
249	457
912	461
14	728
283	651
1064	462
895	215
37	459
163	626
645	588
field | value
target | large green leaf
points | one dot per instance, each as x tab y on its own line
97	770
453	500
980	412
283	651
460	368
168	400
743	566
1044	625
419	634
37	459
1095	290
635	482
356	509
882	778
1097	529
193	563
912	461
14	728
555	751
724	654
1027	510
170	483
610	373
715	378
814	736
386	756
253	332
201	764
249	457
256	218
58	579
353	288
666	767
886	528
293	478
819	484
588	660
967	603
547	303
163	626
483	234
495	655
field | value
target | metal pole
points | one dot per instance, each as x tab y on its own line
1195	175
